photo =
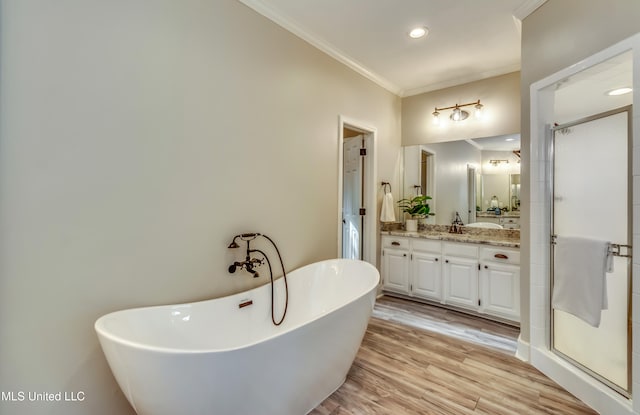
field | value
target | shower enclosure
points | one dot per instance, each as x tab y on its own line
584	165
591	188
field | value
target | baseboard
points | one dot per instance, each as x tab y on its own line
523	351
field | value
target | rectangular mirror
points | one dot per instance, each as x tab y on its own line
471	177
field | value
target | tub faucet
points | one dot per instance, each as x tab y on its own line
249	263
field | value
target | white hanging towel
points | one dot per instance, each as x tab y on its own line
387	214
580	286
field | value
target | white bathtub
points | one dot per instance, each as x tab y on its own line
215	358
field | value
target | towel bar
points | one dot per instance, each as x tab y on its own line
614	249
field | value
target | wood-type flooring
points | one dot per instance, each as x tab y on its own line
421	359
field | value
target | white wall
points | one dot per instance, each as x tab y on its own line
500	96
136	138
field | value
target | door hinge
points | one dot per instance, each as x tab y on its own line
479	302
411	287
363	151
363	211
478	267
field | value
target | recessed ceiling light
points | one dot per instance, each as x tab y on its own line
619	91
418	32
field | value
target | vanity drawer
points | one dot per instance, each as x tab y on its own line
395	242
460	250
423	245
510	223
507	256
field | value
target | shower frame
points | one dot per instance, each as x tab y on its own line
552	175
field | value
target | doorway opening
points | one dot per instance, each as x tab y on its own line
356	191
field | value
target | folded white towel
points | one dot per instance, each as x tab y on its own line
387	213
579	285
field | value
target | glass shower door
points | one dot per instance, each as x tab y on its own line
591	199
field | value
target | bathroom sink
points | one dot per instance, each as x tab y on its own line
485	225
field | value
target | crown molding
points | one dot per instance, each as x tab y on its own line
526	8
460	81
281	20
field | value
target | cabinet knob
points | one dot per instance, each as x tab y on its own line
446	260
395	243
404	254
486	267
436	259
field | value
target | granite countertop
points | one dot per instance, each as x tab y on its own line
509	238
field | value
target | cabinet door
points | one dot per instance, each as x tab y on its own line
461	282
426	278
395	270
501	290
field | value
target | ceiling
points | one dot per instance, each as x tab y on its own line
468	40
508	142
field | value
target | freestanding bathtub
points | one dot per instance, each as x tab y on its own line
225	356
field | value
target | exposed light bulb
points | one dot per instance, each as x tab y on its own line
479	111
456	114
436	117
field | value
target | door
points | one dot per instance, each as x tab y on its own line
461	282
426	276
591	199
500	290
352	197
395	270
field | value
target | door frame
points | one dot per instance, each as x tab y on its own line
370	174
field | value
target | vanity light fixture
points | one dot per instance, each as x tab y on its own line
498	162
619	91
458	114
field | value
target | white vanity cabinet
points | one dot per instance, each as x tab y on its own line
508	222
482	279
500	282
412	267
395	264
461	275
426	272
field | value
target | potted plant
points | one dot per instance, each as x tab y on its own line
417	208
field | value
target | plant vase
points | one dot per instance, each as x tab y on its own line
411	225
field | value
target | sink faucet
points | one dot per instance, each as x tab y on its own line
456	225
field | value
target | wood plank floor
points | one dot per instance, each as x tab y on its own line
420	359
